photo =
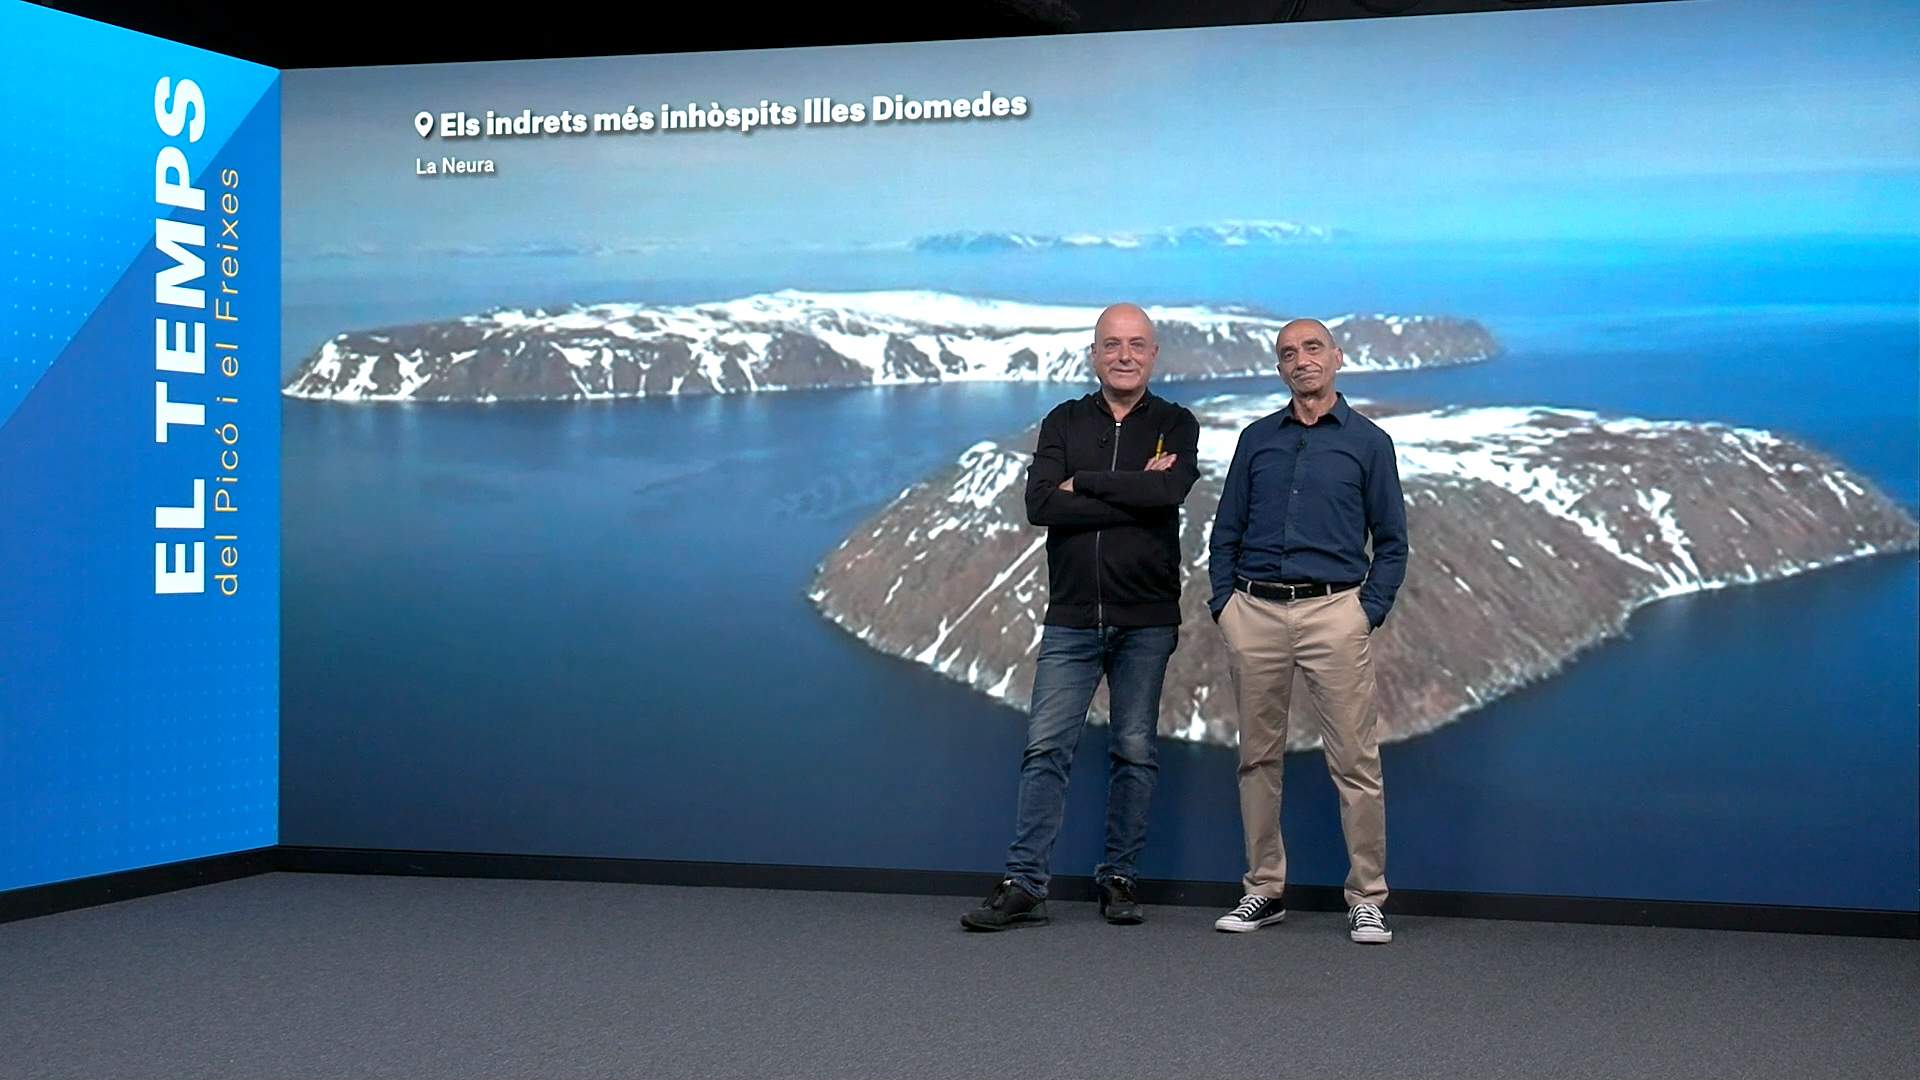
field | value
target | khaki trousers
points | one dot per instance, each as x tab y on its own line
1325	638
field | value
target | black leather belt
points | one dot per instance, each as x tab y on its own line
1274	590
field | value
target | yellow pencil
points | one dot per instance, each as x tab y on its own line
1159	444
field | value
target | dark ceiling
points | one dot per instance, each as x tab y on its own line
343	33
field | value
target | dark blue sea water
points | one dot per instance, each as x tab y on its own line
582	629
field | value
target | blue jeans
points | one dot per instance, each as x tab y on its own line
1071	663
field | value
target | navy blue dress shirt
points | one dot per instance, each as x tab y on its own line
1300	502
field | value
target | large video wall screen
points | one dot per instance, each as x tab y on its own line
655	433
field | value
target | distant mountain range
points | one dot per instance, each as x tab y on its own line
1228	234
801	340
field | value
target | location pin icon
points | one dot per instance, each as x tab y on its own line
423	123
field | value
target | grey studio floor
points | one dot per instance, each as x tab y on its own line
314	975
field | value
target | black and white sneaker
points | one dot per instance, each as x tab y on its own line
1253	913
1366	925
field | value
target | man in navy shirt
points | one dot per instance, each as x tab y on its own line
1296	590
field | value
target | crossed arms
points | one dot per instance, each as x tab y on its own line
1096	498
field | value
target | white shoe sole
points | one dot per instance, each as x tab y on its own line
1371	937
1242	926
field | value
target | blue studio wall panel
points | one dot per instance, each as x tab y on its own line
139	445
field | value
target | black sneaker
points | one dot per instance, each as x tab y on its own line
1366	925
1253	913
1008	907
1117	902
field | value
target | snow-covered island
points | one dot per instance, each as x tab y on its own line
1536	532
807	340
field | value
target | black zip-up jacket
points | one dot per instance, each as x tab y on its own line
1113	542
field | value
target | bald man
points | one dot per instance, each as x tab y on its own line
1297	588
1107	480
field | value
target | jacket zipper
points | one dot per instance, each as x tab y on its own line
1099	601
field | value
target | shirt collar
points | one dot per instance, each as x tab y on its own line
1338	413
